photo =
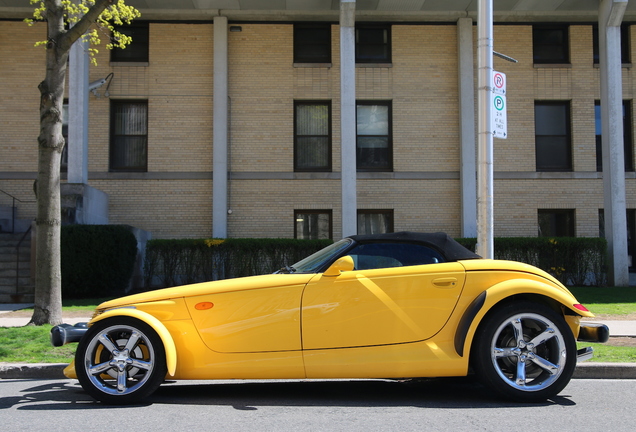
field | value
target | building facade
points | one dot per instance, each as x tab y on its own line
152	130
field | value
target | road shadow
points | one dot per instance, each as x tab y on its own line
449	393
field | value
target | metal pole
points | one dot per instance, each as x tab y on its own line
485	220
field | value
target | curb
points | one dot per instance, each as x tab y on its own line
605	371
32	370
54	371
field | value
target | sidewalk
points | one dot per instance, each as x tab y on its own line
587	370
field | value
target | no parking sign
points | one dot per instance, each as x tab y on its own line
498	106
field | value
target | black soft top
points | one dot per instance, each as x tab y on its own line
441	242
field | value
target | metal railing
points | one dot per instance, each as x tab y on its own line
14	211
17	261
14	208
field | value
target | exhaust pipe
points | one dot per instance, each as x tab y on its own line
65	333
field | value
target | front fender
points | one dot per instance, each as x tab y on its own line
162	331
503	290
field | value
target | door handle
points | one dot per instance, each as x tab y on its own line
448	282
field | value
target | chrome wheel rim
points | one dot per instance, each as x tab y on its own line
119	360
528	352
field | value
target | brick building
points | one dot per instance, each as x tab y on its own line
224	118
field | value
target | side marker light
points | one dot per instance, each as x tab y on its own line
204	306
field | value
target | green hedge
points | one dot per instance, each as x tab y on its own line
175	262
574	261
97	260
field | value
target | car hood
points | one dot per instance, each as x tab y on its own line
221	286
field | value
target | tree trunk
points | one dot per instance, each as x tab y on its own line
48	268
48	271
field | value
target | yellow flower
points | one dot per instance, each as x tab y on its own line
213	242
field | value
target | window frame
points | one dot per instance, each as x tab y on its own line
562	50
625	44
139	49
388	45
329	136
298	212
114	103
65	123
300	45
389	167
570	228
631	234
568	136
386	212
628	140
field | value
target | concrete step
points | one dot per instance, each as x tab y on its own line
8	262
17	298
23	281
9	270
11	249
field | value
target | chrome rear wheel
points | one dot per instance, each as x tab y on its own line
525	351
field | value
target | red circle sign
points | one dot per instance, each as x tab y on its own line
499	80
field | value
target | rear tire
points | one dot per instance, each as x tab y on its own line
524	351
120	360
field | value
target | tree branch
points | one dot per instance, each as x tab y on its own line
82	26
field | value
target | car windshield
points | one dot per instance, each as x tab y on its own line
313	263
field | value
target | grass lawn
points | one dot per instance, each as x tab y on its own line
31	344
607	300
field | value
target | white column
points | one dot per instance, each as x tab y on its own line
78	114
610	18
485	179
348	116
468	155
220	133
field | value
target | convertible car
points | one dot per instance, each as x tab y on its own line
395	305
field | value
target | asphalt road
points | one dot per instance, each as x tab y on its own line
428	405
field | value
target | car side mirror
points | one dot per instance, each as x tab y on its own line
344	263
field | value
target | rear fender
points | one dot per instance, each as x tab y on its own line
507	289
162	331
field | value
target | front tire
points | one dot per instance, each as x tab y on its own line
524	351
120	360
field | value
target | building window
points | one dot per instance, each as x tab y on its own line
550	44
129	135
556	223
375	221
312	224
631	234
627	136
312	136
553	137
138	49
312	43
625	45
64	161
373	43
374	136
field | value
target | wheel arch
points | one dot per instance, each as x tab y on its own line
163	333
509	291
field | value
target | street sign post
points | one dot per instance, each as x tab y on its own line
498	106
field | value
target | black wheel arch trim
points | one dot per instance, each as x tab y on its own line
467	319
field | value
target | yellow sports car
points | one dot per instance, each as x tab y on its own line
383	306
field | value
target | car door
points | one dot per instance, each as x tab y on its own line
372	306
256	314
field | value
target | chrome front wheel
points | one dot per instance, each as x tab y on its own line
120	360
